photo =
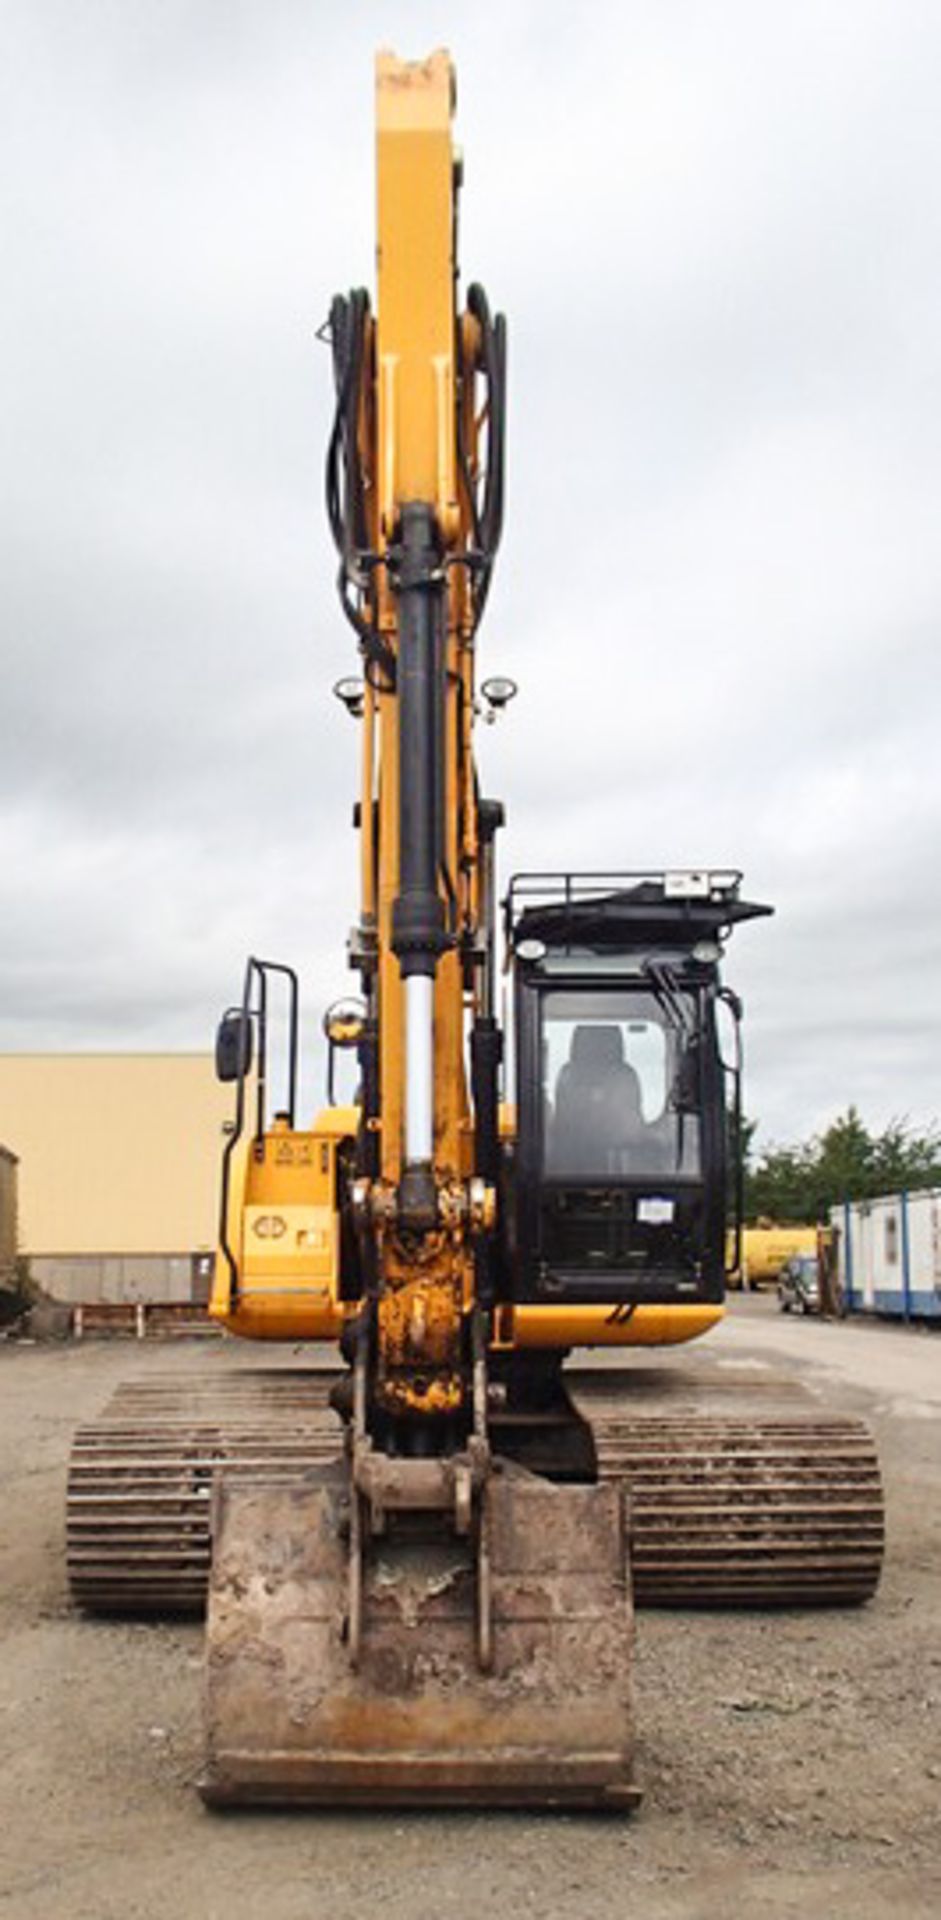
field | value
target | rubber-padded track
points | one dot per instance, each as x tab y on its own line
728	1509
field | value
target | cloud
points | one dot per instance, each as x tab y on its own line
714	228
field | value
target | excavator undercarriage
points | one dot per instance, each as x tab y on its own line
420	1568
233	1490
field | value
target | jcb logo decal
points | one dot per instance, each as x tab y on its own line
269	1226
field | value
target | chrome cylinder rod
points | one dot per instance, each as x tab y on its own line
419	1069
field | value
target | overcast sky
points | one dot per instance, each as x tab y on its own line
715	229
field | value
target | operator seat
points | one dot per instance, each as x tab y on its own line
598	1115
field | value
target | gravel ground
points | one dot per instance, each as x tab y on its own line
792	1764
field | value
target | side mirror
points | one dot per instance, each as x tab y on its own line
233	1046
732	1074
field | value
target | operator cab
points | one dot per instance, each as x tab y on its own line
624	1102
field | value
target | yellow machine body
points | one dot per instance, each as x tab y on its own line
284	1222
284	1228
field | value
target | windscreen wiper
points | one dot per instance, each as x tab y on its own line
670	997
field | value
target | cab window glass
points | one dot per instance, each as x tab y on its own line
609	1073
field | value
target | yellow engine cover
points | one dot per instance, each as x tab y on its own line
283	1231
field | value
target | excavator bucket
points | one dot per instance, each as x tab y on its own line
418	1720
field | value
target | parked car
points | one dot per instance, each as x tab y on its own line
799	1284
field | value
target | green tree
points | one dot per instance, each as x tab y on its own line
845	1162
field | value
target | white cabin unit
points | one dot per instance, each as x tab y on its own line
889	1254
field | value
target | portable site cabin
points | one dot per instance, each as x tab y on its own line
889	1254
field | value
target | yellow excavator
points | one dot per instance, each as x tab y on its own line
422	1561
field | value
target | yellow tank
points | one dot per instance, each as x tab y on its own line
765	1249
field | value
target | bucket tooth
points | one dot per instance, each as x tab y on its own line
418	1722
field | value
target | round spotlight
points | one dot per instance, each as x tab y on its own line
351	692
498	692
343	1022
531	950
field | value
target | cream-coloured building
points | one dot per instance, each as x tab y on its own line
119	1163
